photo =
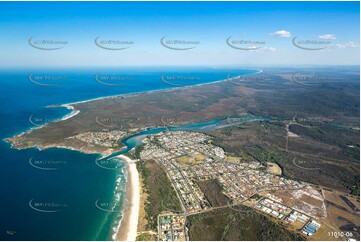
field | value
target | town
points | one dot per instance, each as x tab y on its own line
105	139
172	227
188	157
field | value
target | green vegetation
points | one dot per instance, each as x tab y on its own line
265	156
345	138
161	194
256	197
330	152
145	237
312	157
137	151
213	192
355	189
242	223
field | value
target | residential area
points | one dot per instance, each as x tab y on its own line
189	157
106	139
171	227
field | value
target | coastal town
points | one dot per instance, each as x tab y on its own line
180	120
105	139
172	227
189	157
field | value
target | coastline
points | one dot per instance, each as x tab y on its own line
70	115
258	71
73	113
129	222
76	111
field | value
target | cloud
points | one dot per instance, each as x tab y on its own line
272	49
281	33
346	45
263	49
327	36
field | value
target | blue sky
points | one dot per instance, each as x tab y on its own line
270	26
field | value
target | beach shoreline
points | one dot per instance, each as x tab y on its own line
258	71
75	111
129	222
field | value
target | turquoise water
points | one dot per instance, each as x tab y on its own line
60	194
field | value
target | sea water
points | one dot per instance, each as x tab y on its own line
61	194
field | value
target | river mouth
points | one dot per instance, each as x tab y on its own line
135	140
66	170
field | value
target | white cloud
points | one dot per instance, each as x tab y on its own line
281	33
263	49
346	45
272	49
327	36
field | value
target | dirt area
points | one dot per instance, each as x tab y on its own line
232	159
292	135
337	199
307	200
274	169
343	212
323	234
190	160
297	225
336	213
310	201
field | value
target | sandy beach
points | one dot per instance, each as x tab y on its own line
128	227
72	114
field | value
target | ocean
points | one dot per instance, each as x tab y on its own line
61	194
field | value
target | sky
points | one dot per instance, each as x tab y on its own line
87	34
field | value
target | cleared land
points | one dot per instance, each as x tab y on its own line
189	160
273	168
307	200
343	212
